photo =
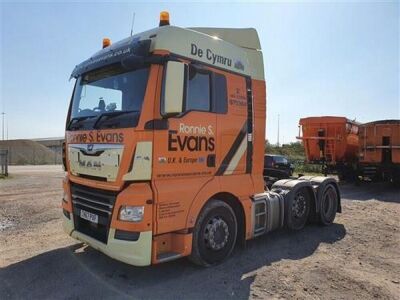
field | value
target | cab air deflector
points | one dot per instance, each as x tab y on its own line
114	54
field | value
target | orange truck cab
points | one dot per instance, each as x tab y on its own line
164	150
379	157
332	142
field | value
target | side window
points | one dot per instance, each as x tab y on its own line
205	91
198	91
220	94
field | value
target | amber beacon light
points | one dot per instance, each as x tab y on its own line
164	18
106	42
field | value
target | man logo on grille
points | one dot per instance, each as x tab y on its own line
90	147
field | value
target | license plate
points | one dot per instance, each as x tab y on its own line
89	216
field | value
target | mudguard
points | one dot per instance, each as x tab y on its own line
288	188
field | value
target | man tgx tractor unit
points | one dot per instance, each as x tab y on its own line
380	150
331	142
164	150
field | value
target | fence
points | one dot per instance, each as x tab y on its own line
3	162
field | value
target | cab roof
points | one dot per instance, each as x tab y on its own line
235	50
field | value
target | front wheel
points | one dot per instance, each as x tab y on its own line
298	209
214	235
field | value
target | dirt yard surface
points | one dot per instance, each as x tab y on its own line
358	257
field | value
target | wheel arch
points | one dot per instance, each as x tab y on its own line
209	193
238	209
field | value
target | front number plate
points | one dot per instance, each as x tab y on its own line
89	216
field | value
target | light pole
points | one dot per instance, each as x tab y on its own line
3	114
278	130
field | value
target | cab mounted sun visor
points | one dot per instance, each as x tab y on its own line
136	49
135	62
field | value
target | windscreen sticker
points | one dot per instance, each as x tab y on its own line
96	137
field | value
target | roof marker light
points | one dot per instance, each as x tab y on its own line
106	42
164	18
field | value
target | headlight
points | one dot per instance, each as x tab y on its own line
131	213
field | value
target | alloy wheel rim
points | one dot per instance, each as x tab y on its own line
299	206
216	234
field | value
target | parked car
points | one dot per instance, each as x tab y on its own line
277	166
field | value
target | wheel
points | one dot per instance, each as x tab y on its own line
298	209
214	234
329	204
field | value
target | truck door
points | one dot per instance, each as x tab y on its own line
233	129
185	153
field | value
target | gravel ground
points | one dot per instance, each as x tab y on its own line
357	257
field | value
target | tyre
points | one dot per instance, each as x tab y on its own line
328	205
214	235
298	209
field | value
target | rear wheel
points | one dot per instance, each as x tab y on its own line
214	235
298	209
329	204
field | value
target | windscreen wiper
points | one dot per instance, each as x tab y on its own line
77	119
111	114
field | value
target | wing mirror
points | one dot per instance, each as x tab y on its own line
174	91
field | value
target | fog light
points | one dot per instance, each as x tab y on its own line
131	213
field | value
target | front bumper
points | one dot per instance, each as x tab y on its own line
137	253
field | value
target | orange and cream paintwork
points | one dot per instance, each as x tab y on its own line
174	190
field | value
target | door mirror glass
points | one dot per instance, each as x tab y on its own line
174	88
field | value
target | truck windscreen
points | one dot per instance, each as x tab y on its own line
108	98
